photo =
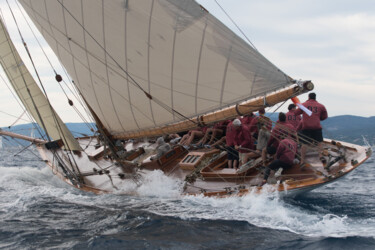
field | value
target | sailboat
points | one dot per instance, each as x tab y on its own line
151	68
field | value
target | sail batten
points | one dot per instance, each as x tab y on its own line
30	94
173	50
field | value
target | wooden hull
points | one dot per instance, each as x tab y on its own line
101	174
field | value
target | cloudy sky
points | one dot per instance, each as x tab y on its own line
330	42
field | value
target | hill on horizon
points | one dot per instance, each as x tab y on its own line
347	128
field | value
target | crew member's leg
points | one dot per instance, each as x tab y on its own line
275	165
194	135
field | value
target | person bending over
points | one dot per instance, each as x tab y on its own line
285	154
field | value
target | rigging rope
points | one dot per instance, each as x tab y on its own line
58	126
22	107
236	25
54	70
16	141
24	81
19	118
135	83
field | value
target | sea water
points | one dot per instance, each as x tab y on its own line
37	210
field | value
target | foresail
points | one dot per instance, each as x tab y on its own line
30	94
187	61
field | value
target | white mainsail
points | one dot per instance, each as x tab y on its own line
175	50
30	94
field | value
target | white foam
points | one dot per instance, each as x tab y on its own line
262	210
24	185
269	212
153	184
156	183
160	194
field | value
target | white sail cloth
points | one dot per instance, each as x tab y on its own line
177	52
30	94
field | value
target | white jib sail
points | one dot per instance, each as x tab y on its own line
175	50
30	94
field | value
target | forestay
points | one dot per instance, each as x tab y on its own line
30	94
175	50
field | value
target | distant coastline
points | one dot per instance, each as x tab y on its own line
344	128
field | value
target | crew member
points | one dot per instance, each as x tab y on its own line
292	117
196	133
232	154
285	154
214	133
311	128
246	119
281	129
161	149
243	141
258	121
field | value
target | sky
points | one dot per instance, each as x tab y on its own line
330	42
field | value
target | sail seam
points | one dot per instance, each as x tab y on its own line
106	68
225	76
73	62
88	61
93	72
118	65
198	68
59	128
148	59
241	59
57	125
126	64
253	83
74	91
172	70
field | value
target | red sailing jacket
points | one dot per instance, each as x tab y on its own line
281	128
243	138
319	113
229	135
286	152
247	120
293	118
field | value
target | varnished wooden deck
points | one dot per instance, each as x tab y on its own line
102	175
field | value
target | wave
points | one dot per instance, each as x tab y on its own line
327	212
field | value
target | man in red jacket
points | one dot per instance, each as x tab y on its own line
246	119
292	117
311	128
285	154
281	129
258	121
243	142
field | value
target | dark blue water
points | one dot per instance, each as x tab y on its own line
38	211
